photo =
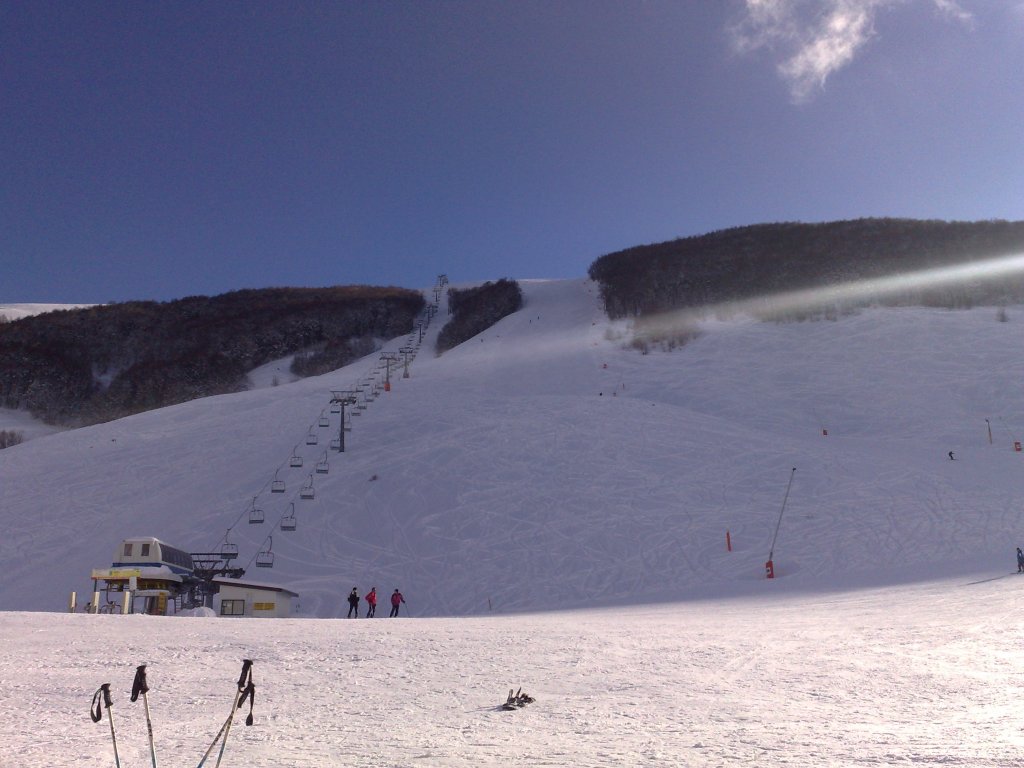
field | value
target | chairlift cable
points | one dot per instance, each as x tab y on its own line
266	485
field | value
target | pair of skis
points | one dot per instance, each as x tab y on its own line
246	690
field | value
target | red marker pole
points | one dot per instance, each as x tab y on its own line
728	542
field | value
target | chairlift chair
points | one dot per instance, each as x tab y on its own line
255	513
336	444
288	522
265	558
311	438
295	460
307	491
325	420
335	407
322	467
277	486
227	549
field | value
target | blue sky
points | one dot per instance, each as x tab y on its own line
158	150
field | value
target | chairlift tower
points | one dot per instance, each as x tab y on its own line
342	398
388	358
206	566
406	351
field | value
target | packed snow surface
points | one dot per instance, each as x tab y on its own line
921	674
555	508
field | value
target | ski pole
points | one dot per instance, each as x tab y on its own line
213	743
96	712
139	686
246	690
235	704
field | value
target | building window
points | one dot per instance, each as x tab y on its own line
232	607
145	550
127	549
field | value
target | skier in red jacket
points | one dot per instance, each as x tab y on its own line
396	600
371	603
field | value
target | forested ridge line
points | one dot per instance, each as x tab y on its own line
87	365
765	259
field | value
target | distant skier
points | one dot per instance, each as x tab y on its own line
396	600
1020	561
371	603
353	603
951	456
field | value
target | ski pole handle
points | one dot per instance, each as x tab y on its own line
246	674
100	699
139	684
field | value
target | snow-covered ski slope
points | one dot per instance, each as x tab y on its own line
543	465
507	470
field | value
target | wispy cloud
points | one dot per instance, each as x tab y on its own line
815	38
955	11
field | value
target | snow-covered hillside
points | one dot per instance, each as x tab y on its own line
18	311
538	467
542	465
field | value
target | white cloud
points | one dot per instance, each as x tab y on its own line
815	38
955	11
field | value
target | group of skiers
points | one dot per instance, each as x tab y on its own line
371	603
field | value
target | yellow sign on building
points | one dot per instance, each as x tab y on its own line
115	573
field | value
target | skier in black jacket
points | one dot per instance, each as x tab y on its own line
353	603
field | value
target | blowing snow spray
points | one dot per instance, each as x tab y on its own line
769	567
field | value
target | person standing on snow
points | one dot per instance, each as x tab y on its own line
396	600
353	603
371	602
1020	561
